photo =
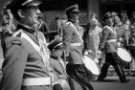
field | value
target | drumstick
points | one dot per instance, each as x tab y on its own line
65	57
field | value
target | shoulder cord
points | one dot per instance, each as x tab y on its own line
76	30
41	49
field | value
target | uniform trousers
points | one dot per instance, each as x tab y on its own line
132	51
79	73
39	87
111	59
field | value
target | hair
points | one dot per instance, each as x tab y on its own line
57	18
124	17
93	15
58	48
57	87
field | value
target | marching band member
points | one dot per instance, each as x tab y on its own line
122	32
59	68
109	45
73	42
131	43
26	65
8	26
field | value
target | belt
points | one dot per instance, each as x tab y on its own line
37	81
76	44
112	40
61	81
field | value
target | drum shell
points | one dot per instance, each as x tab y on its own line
132	50
123	63
90	70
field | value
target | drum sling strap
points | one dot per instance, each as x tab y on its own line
76	30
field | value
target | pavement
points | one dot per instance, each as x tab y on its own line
113	83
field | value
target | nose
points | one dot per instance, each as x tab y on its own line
39	14
38	11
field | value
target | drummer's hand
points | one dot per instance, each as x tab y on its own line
58	38
96	60
86	53
119	44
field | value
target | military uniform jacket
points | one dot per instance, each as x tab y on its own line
122	33
70	36
132	38
21	61
109	39
59	69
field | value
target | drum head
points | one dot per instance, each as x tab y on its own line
124	54
91	65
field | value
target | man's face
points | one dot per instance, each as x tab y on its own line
109	21
31	16
117	20
74	17
93	22
6	19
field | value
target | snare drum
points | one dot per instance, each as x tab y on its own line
91	65
124	56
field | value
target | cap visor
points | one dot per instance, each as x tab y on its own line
33	3
75	12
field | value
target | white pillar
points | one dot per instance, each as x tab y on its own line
93	7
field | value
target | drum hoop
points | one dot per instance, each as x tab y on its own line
94	63
127	52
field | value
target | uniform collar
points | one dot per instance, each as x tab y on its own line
54	57
29	31
73	21
25	28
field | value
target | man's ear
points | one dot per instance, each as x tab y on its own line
20	13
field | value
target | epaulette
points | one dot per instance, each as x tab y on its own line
107	28
16	41
67	23
17	33
10	41
16	38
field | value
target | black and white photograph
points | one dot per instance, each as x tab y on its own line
67	44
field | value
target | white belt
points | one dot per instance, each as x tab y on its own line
112	40
61	81
37	81
76	44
